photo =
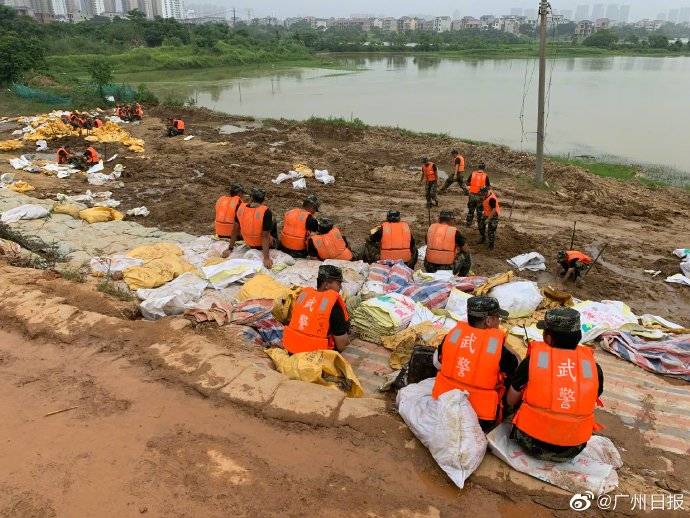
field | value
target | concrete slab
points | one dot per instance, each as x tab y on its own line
306	403
217	372
254	386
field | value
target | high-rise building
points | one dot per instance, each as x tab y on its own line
169	9
582	13
146	8
612	12
673	15
49	8
624	14
597	11
684	15
567	14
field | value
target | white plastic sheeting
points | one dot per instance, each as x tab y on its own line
457	304
138	211
299	184
594	469
447	426
532	261
114	264
172	298
223	274
290	175
519	298
28	211
599	317
323	176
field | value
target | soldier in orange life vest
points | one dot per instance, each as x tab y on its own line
254	222
63	155
329	243
319	318
298	224
478	184
573	263
176	127
445	247
91	156
226	211
558	384
430	180
458	173
490	212
392	240
137	112
473	358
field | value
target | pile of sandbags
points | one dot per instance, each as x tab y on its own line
384	315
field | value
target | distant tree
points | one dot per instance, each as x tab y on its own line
101	73
677	45
658	41
19	55
135	15
603	39
633	39
153	36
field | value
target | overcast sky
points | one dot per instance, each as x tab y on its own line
326	8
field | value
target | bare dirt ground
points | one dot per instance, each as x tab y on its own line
140	443
377	169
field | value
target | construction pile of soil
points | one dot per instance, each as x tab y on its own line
378	168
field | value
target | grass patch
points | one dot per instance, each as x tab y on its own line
42	255
12	105
621	172
108	287
354	123
74	274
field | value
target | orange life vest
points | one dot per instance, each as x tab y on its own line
138	110
178	124
487	207
560	396
440	244
572	255
226	210
460	166
429	173
92	156
395	241
332	246
62	156
470	362
251	224
477	182
97	123
294	233
310	321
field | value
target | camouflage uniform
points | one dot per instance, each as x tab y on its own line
475	205
492	224
430	192
461	266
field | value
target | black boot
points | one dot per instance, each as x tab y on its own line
491	245
481	241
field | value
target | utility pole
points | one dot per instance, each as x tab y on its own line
544	8
234	17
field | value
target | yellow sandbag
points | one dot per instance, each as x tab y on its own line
48	128
101	215
282	307
303	169
21	186
156	272
402	343
71	209
326	368
492	282
262	286
11	145
149	252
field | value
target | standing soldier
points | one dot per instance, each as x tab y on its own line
458	172
479	183
490	213
430	179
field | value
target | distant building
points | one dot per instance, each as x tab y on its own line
487	19
624	14
469	22
456	25
584	28
201	20
602	24
407	24
268	21
612	13
442	24
598	11
389	24
649	25
582	13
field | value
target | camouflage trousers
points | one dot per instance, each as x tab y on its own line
430	192
474	206
490	224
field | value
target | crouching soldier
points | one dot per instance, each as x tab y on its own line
445	247
558	384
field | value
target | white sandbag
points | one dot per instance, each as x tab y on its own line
115	264
594	469
323	176
447	426
519	298
682	253
598	317
99	178
7	178
20	163
188	138
112	158
685	267
290	175
456	304
138	211
108	202
203	248
648	320
223	274
372	289
532	261
28	211
678	278
41	145
171	298
280	259
299	184
423	314
421	276
96	168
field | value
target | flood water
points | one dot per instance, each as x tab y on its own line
632	108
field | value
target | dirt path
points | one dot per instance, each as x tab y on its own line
136	445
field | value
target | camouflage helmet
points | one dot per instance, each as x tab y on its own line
561	320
